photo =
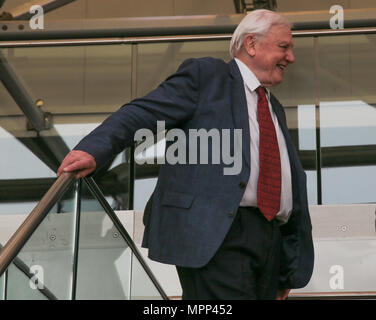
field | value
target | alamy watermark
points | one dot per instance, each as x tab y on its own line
337	21
196	142
337	280
37	279
37	20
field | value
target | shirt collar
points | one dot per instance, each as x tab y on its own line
248	76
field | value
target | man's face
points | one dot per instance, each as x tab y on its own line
272	54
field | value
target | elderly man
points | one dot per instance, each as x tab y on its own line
231	236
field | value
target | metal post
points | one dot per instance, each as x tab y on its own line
21	95
76	237
318	125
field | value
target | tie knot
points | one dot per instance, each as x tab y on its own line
260	91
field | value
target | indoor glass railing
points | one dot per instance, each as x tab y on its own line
74	246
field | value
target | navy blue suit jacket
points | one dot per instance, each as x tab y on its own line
193	205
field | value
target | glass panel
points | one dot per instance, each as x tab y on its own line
14	138
346	68
105	256
70	79
22	287
348	119
345	253
21	186
155	62
142	287
2	286
143	188
307	148
48	254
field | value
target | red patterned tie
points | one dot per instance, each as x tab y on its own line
269	180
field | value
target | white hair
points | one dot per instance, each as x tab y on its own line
257	22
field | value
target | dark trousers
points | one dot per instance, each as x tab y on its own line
246	266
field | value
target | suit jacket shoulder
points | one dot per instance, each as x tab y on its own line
209	66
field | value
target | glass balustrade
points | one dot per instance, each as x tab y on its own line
80	251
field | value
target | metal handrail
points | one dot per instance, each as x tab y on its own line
31	223
169	25
168	39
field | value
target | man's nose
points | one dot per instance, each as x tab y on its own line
290	57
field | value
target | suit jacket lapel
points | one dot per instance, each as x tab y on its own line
240	109
293	157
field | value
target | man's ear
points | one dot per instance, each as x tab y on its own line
249	44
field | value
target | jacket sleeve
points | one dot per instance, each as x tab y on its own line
174	101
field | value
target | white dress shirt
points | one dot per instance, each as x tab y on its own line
250	194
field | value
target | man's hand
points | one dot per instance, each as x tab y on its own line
282	294
81	162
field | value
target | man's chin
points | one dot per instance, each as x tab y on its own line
271	83
275	81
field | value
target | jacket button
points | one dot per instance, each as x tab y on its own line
231	214
242	185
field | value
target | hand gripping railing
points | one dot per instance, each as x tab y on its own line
23	233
